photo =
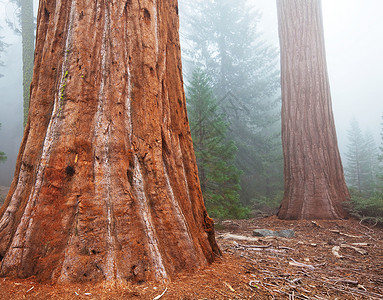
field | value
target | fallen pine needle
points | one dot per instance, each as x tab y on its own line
160	296
30	289
229	286
253	284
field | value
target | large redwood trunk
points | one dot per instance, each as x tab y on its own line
314	182
106	184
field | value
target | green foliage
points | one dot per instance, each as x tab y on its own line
364	176
215	154
266	206
361	169
3	157
366	208
223	39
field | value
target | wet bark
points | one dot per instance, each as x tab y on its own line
314	182
106	184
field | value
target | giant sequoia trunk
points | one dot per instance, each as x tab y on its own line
314	182
106	184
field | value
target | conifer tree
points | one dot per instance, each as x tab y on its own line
354	156
3	156
361	169
372	163
215	154
223	37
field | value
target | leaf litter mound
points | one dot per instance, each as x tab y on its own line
340	259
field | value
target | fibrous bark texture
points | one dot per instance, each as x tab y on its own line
314	182
106	184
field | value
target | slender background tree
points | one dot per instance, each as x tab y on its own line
314	182
355	167
362	165
26	28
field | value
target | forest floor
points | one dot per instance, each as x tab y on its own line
324	260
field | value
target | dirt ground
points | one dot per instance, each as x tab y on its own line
324	260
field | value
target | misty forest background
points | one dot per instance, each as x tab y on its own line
232	85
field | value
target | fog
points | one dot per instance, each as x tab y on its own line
11	94
354	46
353	36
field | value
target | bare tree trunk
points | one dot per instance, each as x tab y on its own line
28	37
314	182
106	184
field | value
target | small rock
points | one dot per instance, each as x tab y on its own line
286	233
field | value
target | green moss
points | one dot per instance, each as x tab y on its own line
62	91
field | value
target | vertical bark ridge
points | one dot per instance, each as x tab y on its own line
155	254
103	129
181	219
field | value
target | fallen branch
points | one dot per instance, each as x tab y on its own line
346	281
236	237
359	250
286	248
255	246
301	265
335	252
360	244
347	235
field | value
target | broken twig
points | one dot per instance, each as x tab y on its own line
301	265
335	252
160	296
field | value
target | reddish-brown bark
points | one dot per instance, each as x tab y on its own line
106	184
314	182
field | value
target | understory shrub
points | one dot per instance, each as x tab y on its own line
366	208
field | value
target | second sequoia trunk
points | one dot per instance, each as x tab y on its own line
314	182
106	184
